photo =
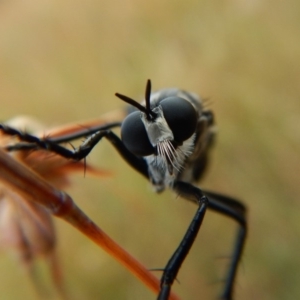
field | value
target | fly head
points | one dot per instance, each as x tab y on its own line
158	129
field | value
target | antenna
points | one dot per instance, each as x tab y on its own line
146	110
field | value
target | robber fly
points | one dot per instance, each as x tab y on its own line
167	139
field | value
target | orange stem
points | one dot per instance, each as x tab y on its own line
34	188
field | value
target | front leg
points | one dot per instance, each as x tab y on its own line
188	191
36	143
53	145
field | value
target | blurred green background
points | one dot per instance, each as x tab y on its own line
62	61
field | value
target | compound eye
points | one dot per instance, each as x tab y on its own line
181	117
134	135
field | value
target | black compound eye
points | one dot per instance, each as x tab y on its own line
134	135
181	117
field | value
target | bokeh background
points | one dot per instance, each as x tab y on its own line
62	61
